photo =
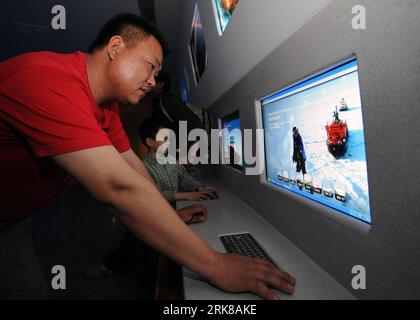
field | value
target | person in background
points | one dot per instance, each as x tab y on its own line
299	155
170	179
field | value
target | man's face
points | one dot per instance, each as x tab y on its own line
132	71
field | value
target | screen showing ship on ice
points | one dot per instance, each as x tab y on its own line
314	141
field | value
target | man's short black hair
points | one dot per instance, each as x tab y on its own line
131	28
165	79
149	129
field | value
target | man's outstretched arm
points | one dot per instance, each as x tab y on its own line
134	161
111	180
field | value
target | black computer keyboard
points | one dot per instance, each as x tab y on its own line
244	244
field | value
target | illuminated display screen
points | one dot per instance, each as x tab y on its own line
314	141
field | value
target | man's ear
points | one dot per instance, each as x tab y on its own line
115	45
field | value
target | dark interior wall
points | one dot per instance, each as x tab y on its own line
26	25
389	61
167	16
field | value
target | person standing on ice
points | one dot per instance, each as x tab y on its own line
299	155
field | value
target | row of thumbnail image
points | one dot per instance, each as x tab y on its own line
315	186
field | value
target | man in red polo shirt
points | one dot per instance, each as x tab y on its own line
59	121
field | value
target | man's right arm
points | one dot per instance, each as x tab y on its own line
111	180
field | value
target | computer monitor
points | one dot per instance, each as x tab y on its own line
314	141
197	46
232	141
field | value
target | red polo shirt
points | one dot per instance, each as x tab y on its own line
46	109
